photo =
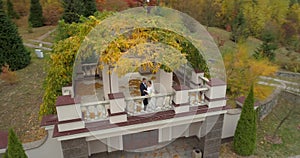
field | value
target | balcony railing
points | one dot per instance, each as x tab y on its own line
196	96
95	110
157	102
89	70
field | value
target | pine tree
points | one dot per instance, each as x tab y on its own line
36	14
14	148
73	9
239	29
12	50
90	7
245	133
268	47
10	10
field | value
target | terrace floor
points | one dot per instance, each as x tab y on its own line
180	148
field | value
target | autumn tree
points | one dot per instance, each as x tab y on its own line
52	13
10	10
14	147
244	140
36	14
209	12
291	29
62	59
242	69
12	50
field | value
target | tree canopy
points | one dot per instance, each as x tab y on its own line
73	9
245	134
12	50
14	147
36	14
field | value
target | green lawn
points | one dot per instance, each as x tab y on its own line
289	131
21	101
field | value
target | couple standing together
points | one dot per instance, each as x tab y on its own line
146	88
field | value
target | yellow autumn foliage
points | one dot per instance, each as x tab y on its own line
243	70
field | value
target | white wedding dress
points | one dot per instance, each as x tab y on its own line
151	101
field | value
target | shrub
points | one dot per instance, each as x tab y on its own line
245	133
14	148
52	13
7	75
36	14
12	50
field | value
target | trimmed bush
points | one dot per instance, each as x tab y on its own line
12	50
14	148
36	14
245	133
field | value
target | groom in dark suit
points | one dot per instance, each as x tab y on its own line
143	87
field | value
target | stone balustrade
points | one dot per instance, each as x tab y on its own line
197	96
157	102
95	111
90	69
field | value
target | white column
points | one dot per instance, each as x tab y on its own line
165	80
106	84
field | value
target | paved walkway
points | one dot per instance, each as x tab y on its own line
36	42
283	84
181	148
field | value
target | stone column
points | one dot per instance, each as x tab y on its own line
164	81
211	133
75	148
110	81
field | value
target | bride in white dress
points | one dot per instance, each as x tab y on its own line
151	101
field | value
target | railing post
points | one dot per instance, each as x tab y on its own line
96	112
88	113
202	97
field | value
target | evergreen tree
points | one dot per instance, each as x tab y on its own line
90	7
36	14
14	148
245	133
268	47
239	29
73	9
10	10
12	50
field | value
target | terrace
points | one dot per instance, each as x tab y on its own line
106	109
178	90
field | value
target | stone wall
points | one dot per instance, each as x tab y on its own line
288	74
75	148
266	107
291	97
210	142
